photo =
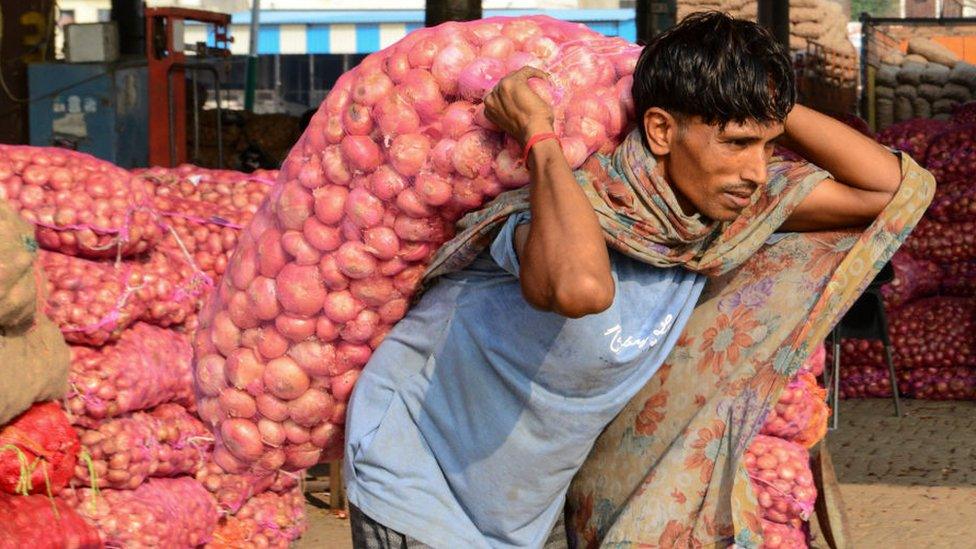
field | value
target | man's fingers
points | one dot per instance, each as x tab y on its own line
523	74
527	72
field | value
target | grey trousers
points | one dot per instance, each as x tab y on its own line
369	534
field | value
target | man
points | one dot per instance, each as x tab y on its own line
474	414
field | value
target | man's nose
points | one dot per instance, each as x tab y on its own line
755	168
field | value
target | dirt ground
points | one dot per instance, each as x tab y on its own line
906	482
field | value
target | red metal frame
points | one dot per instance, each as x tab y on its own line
163	61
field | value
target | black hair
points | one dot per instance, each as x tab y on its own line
717	68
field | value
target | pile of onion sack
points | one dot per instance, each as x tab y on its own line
931	303
127	260
397	152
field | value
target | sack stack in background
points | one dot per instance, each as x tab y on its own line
929	82
818	29
128	260
931	303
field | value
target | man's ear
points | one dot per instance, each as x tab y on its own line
661	129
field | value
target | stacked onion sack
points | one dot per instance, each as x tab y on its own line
930	82
127	261
778	459
820	22
398	151
931	303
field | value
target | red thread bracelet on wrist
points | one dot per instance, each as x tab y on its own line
533	141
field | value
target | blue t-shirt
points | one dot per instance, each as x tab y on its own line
474	414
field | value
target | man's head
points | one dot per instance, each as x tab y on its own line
711	94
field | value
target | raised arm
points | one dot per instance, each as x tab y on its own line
564	262
866	175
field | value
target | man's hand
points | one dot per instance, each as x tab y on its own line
516	109
563	257
866	175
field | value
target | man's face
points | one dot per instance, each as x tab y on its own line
715	170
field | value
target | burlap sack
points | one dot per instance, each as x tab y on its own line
885	112
935	73
933	51
922	107
34	362
915	58
906	90
903	108
944	106
808	29
956	92
887	75
799	15
797	43
18	290
929	92
965	74
893	57
804	4
884	92
910	73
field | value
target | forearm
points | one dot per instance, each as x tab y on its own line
852	158
565	265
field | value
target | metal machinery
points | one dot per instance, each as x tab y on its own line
167	69
133	111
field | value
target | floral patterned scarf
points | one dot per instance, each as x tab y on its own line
641	218
667	471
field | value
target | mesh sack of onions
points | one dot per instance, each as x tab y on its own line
123	452
964	113
912	136
269	519
232	491
782	479
148	366
39	522
162	512
92	302
79	205
954	383
914	278
935	332
959	279
814	364
954	201
798	414
229	190
863	381
171	287
38	451
942	242
951	154
396	153
858	351
200	230
781	536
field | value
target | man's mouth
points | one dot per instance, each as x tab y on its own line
738	199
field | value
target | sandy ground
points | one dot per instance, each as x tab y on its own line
907	482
